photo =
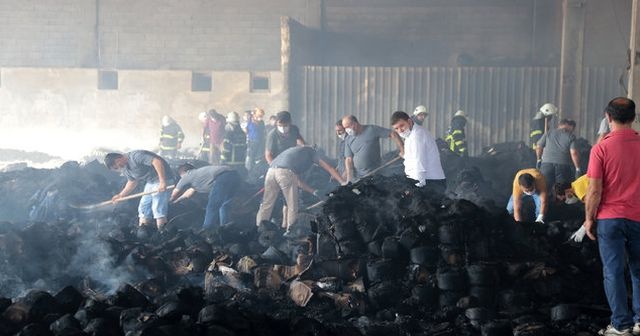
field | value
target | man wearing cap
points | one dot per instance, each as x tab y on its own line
419	115
144	166
456	137
362	146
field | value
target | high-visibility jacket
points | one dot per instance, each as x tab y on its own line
537	130
234	145
170	137
204	146
456	137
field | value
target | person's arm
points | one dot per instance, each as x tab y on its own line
543	203
128	187
348	165
539	150
592	201
399	144
187	194
517	206
174	194
159	167
334	173
304	186
300	141
268	156
575	157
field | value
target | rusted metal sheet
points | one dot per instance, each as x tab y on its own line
500	101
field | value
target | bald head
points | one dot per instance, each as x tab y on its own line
621	110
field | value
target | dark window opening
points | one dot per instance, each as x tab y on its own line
259	82
201	82
107	80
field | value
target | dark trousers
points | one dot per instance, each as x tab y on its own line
556	173
218	207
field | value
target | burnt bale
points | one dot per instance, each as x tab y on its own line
31	308
66	325
127	296
34	329
424	255
482	275
4	304
382	270
385	294
172	311
102	327
452	279
497	328
69	299
136	320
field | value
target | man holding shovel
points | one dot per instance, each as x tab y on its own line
144	166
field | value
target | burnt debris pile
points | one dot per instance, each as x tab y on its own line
380	257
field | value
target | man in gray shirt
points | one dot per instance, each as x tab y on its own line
556	152
219	182
603	129
284	175
362	146
149	168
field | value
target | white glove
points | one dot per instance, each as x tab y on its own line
578	235
540	219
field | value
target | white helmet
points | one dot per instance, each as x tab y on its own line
420	109
460	113
202	116
166	121
548	109
232	117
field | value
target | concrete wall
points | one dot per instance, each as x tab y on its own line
61	111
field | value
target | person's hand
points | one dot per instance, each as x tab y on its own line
316	193
401	154
590	227
578	173
179	145
116	198
540	219
162	186
538	164
578	236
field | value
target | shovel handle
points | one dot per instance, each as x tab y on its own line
128	197
313	206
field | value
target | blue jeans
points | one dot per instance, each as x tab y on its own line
218	207
536	201
615	236
155	205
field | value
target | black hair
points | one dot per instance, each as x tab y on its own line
339	123
560	187
621	109
397	116
526	180
283	117
185	167
568	122
110	159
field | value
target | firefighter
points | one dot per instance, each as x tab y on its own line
541	123
171	137
234	144
456	137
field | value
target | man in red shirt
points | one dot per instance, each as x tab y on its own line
215	123
613	213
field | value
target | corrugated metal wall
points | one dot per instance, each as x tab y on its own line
499	101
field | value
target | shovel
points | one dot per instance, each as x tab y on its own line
313	206
128	197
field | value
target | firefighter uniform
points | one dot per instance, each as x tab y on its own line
456	138
171	137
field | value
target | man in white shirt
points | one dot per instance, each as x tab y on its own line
421	156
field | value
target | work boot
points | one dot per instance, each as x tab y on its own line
611	331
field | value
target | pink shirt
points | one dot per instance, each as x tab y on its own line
616	160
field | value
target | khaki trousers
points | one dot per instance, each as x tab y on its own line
279	179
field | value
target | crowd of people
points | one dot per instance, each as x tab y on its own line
610	190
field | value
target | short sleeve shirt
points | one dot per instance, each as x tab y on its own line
278	142
201	179
557	144
296	159
139	167
616	161
541	184
364	148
